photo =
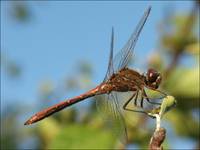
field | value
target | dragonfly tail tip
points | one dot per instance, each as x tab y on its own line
27	122
30	121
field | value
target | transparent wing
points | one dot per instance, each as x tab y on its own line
122	97
109	108
119	118
110	69
123	57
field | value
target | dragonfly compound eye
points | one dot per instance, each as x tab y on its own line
153	78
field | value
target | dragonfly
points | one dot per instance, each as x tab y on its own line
119	78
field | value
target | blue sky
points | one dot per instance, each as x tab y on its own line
61	34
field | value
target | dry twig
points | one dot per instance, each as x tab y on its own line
157	139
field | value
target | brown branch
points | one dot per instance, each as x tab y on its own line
157	139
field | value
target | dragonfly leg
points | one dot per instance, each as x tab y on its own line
148	100
127	102
164	94
135	96
141	102
135	99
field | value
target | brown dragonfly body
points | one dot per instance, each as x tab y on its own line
123	81
119	78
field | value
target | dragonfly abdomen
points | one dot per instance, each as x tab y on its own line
53	109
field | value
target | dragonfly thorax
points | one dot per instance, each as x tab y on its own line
153	78
126	80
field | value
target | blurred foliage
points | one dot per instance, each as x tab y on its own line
20	11
189	88
11	67
83	127
11	134
193	49
89	138
181	81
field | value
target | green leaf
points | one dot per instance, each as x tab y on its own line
168	103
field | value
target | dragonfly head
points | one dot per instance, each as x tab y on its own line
153	78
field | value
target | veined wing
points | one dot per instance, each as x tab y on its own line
123	57
109	108
110	69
